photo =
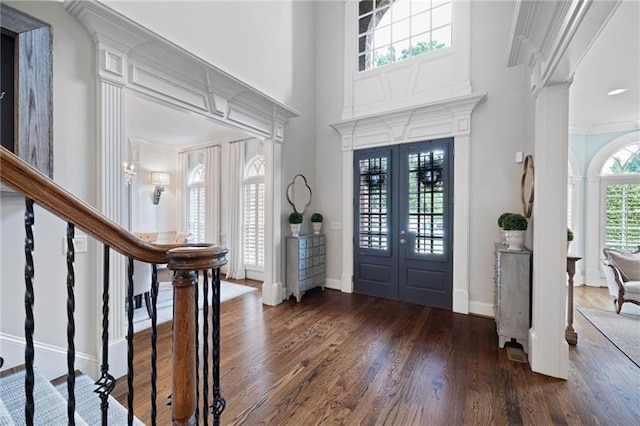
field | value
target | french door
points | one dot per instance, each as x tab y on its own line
403	222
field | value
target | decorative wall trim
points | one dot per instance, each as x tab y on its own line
439	75
544	31
450	117
166	87
167	73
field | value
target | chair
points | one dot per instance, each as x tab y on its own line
142	283
622	272
142	274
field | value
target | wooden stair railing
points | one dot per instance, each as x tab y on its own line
184	260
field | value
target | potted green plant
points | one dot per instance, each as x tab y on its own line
500	219
316	222
295	221
569	238
514	226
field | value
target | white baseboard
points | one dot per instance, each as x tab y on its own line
51	361
118	358
481	308
333	284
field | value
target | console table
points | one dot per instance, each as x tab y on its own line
305	264
512	295
570	334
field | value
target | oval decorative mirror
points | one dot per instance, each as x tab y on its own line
299	193
528	178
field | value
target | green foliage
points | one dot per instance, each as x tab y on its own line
295	217
316	217
514	222
387	58
501	218
569	235
419	49
622	222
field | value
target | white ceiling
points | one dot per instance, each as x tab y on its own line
155	122
612	62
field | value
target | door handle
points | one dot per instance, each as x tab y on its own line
402	241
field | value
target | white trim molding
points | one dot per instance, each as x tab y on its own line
130	57
439	119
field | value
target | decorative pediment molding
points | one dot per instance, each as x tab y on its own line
449	117
132	56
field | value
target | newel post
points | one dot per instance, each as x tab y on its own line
185	261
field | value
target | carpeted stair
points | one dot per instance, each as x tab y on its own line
51	402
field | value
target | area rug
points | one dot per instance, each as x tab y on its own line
622	330
142	321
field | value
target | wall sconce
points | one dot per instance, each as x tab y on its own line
129	173
160	180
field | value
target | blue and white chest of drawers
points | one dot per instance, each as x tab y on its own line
305	264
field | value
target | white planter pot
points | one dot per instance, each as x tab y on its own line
317	227
515	239
295	229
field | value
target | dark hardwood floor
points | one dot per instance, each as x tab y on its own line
348	359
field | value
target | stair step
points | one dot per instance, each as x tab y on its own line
50	406
88	403
5	417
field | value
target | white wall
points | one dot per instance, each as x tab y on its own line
269	45
146	216
74	164
501	126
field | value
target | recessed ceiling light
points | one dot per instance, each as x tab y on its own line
617	91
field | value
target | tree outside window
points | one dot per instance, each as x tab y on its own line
621	188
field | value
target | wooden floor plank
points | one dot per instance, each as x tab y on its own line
345	359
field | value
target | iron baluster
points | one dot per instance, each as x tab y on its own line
130	309
106	382
154	339
196	294
71	326
205	345
29	299
218	401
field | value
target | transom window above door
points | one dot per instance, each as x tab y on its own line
394	30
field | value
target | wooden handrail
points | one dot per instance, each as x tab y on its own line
22	177
182	259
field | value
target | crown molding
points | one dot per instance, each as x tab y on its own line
551	38
139	59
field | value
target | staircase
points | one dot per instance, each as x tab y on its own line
51	402
28	398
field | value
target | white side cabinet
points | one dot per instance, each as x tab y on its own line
305	264
512	295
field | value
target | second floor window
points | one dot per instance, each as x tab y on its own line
393	30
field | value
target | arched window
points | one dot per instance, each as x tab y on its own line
197	203
393	30
621	198
254	211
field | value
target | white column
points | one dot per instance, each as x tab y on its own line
549	353
461	224
593	224
111	193
272	286
347	217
